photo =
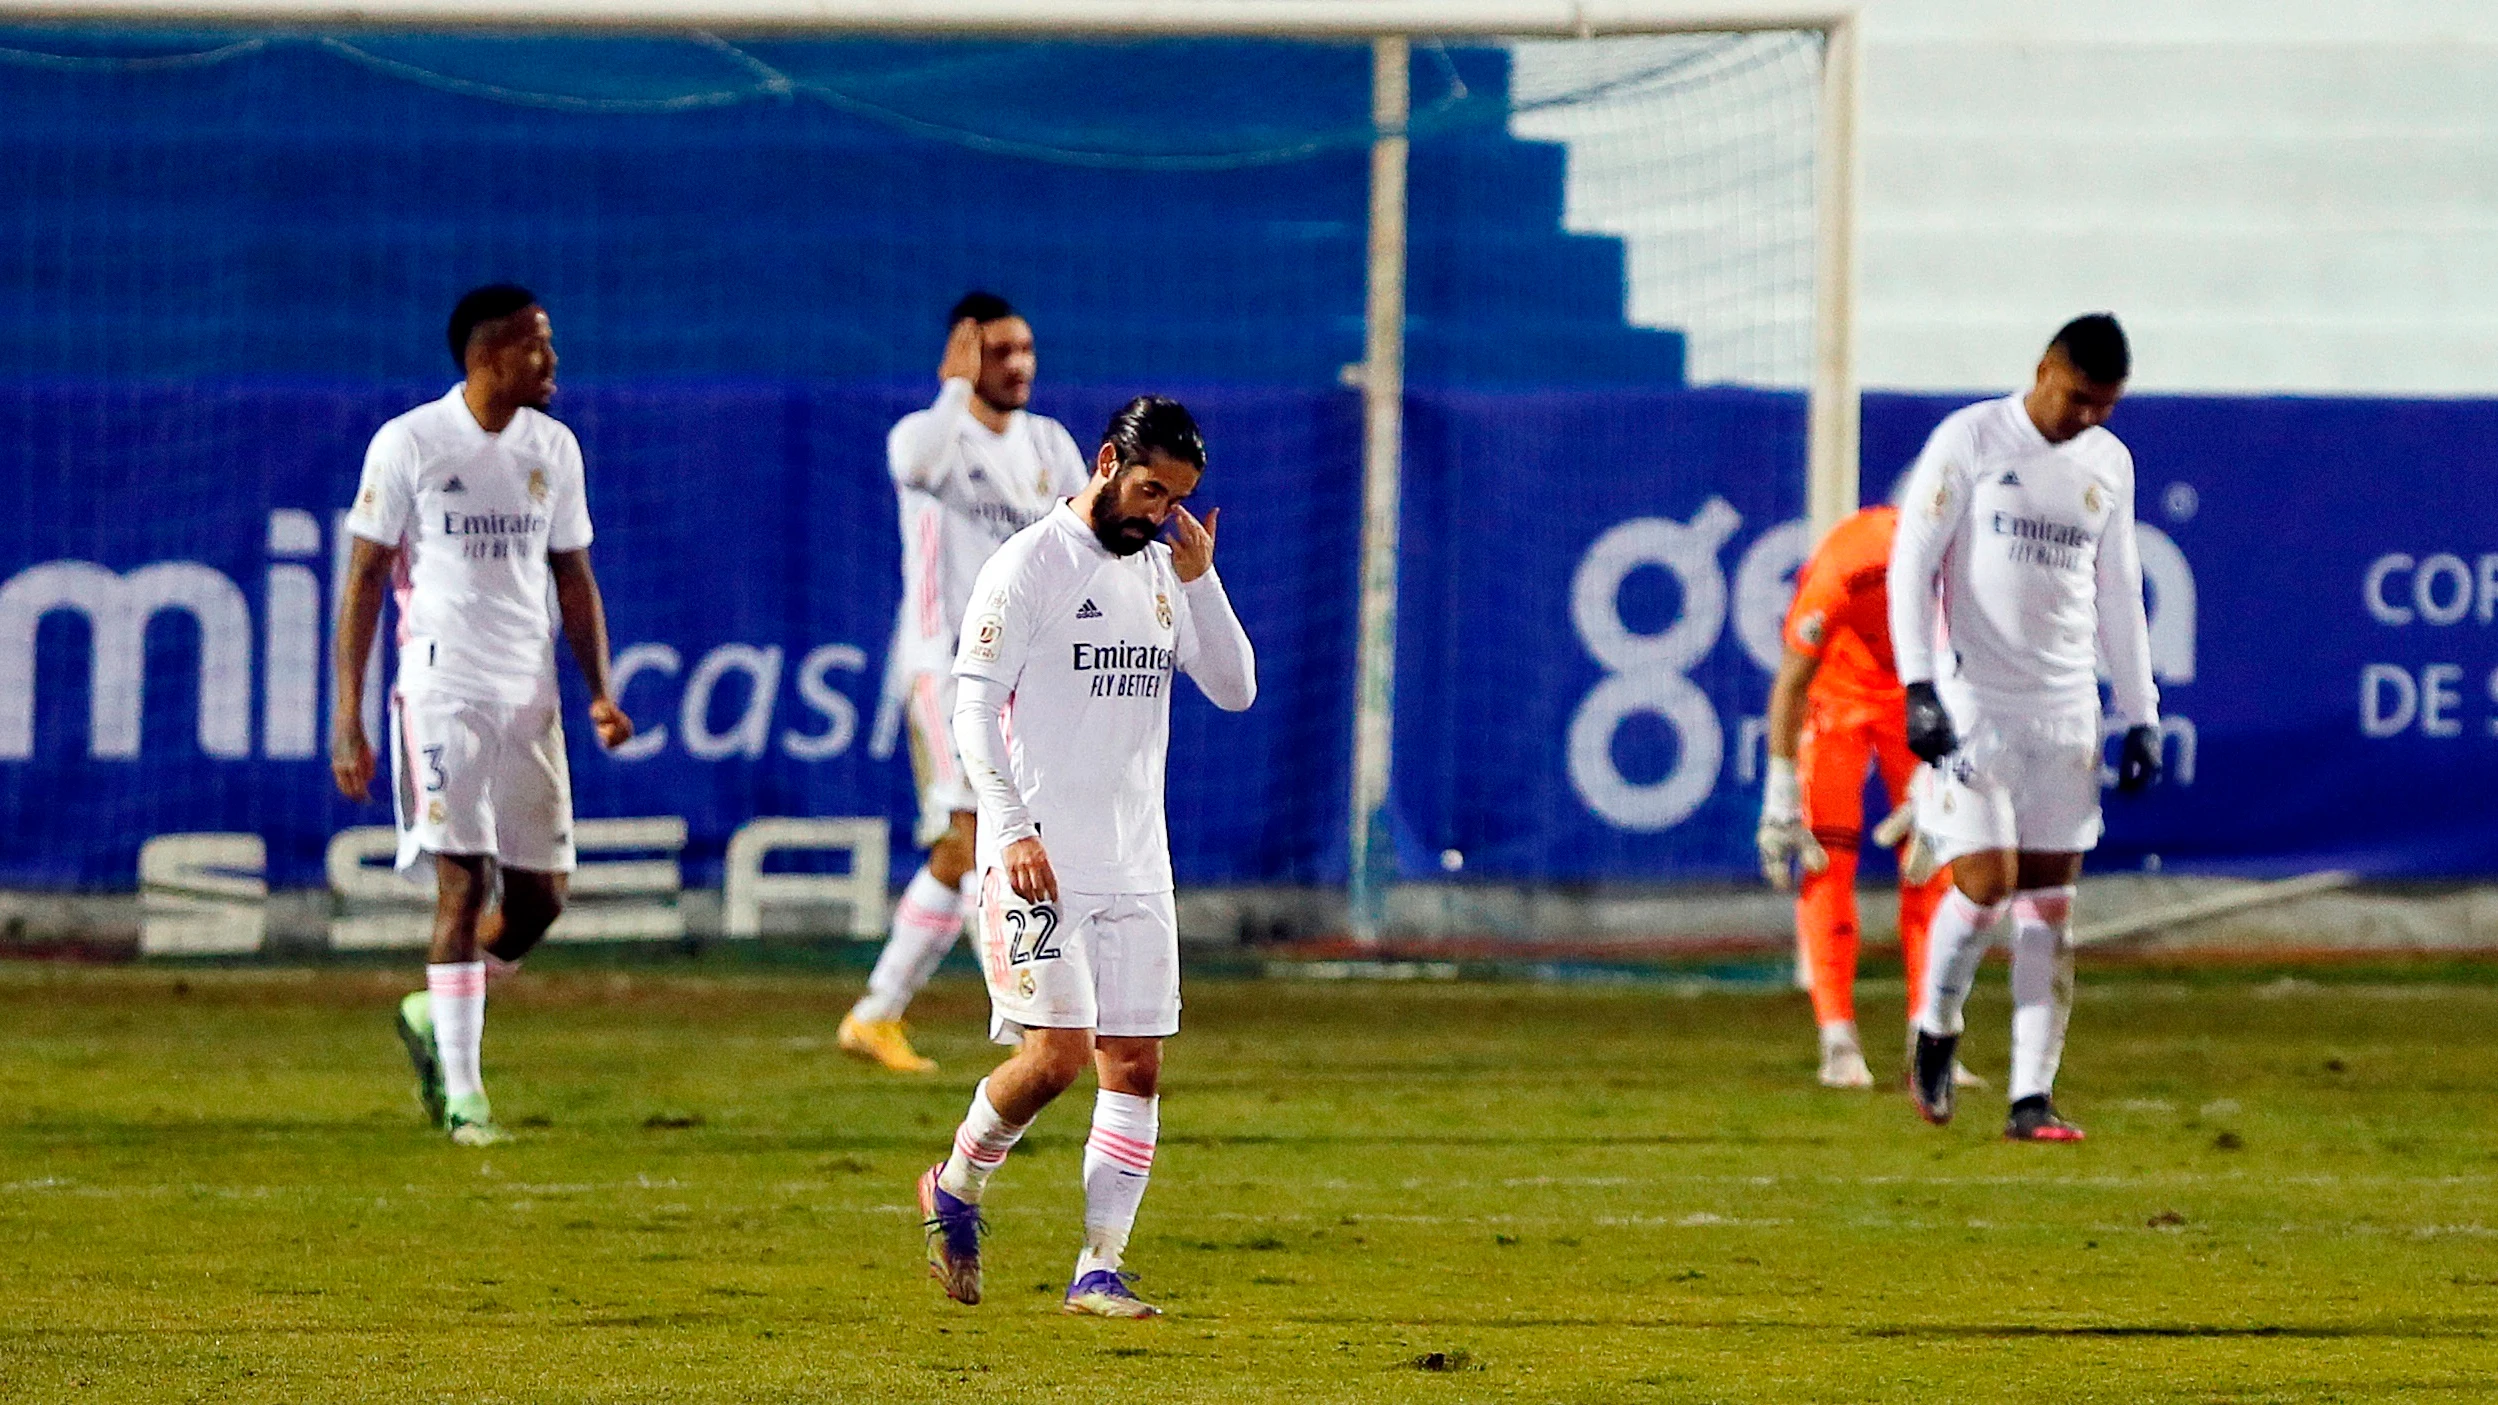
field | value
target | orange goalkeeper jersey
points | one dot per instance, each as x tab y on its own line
1842	610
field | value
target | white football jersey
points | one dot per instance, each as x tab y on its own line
1088	642
963	490
2015	568
473	516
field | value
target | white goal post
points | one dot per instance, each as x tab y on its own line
1390	25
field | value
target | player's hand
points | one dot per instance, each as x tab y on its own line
1028	871
1918	859
2138	761
962	353
1784	844
1783	838
351	758
1930	733
613	727
1192	545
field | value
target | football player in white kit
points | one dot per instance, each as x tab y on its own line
2014	571
969	471
1077	627
467	507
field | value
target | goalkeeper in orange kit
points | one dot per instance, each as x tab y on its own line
1835	709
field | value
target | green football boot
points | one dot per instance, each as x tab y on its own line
472	1122
416	1032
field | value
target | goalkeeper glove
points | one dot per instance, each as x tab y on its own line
1782	838
2138	761
1930	733
1918	861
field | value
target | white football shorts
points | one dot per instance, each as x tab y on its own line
1107	962
2015	783
481	779
944	791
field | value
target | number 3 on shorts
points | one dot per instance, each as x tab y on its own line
433	764
1028	934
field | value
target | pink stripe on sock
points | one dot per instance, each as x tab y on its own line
2050	908
1971	912
1135	1155
456	983
1124	1143
1140	1165
977	1154
912	913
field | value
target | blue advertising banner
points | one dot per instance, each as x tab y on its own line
165	611
1592	584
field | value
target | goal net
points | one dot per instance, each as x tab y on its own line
230	248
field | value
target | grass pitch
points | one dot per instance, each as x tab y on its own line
214	1186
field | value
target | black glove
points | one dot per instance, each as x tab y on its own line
1929	726
2137	761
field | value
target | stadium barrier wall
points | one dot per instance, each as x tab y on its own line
1591	587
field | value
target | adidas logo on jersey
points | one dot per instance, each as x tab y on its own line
1088	611
2009	480
455	486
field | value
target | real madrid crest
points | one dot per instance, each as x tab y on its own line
1162	609
537	485
2091	498
1025	986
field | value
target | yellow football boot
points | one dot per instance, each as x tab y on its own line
882	1042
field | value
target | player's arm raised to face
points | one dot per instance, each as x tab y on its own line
2124	628
1937	497
921	450
1212	647
585	629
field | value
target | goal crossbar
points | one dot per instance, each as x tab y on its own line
1343	19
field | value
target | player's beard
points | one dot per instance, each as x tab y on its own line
1007	398
1121	536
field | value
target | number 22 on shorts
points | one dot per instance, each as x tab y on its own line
1028	932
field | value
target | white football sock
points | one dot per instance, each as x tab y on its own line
457	992
1118	1157
2042	987
1955	944
980	1147
1838	1034
925	923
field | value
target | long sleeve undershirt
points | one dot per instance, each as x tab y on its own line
922	449
2124	631
1932	505
1224	665
980	738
